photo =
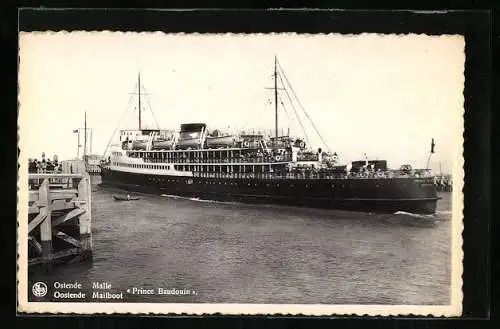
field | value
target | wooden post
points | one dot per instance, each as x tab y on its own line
85	221
75	202
45	225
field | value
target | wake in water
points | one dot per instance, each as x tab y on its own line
439	216
409	219
398	216
410	214
198	199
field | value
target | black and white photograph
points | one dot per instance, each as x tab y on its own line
276	173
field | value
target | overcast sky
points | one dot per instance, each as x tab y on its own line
383	95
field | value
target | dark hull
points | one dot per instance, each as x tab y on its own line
415	195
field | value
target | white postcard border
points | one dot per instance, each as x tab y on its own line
454	309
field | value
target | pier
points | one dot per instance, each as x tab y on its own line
444	183
59	218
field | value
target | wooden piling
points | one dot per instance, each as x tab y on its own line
45	225
60	218
85	204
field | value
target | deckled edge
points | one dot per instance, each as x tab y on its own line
452	310
231	34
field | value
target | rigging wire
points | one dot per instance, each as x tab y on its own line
295	110
305	112
290	118
116	127
284	108
151	109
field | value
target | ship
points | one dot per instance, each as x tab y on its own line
253	167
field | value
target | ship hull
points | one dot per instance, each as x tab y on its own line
385	195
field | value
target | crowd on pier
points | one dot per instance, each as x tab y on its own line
44	165
443	183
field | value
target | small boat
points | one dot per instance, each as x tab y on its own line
139	145
125	197
186	143
162	144
221	141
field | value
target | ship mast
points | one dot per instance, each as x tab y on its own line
275	100
139	98
85	138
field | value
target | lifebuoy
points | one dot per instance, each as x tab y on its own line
246	143
278	158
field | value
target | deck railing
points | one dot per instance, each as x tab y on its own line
252	160
317	175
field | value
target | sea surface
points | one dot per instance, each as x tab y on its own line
215	252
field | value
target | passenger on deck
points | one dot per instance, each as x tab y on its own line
35	165
49	166
31	166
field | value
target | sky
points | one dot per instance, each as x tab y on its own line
383	95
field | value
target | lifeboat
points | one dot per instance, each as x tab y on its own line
139	145
162	144
220	141
187	143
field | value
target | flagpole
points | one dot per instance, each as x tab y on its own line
78	149
85	139
428	161
430	154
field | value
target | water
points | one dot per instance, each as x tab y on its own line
237	253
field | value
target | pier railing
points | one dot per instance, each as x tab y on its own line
59	218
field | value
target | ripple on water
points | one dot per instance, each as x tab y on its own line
232	252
